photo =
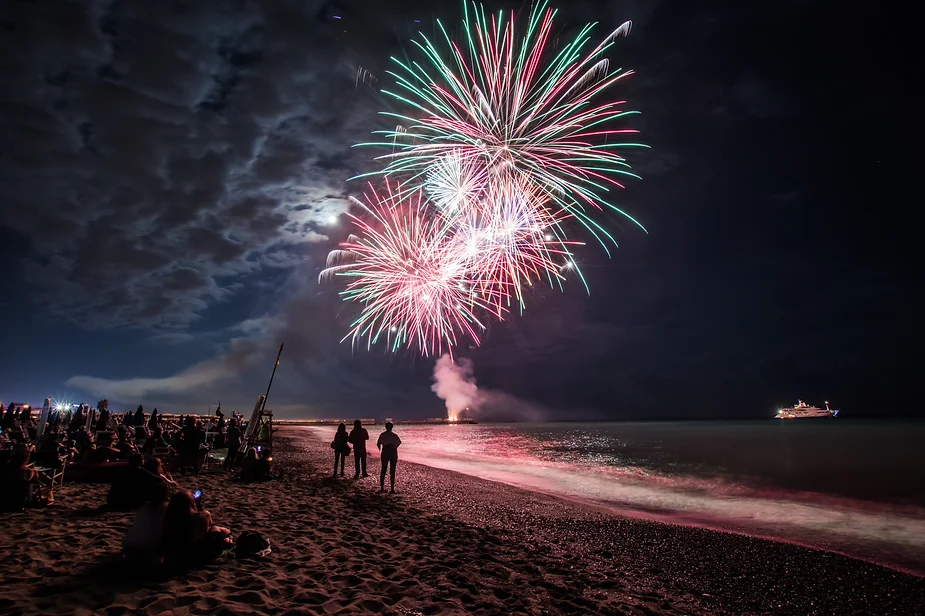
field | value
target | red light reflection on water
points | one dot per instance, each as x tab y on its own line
572	467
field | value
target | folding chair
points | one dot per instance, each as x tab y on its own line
50	477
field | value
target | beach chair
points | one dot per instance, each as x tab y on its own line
50	477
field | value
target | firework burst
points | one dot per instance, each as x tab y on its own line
509	136
455	185
508	101
507	244
403	271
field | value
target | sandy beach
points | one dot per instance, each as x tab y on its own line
445	544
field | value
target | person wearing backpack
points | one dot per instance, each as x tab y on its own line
341	448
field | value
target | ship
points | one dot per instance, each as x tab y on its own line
802	410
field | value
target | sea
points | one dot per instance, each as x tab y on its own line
851	486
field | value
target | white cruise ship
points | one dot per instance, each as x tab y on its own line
802	410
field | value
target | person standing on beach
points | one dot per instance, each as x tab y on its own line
233	440
358	437
341	448
388	446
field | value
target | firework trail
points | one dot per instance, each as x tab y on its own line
506	100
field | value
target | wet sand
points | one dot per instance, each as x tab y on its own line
445	544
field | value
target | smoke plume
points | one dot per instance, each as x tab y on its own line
454	383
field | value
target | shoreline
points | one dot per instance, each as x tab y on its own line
722	571
447	543
900	557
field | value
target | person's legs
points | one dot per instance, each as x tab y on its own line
385	463
365	474
336	456
392	464
343	459
356	464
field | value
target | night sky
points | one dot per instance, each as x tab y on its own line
169	172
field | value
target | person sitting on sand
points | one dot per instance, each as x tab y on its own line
103	453
255	466
358	437
341	448
190	537
130	488
19	484
258	466
249	465
143	542
51	451
154	440
155	466
388	444
125	444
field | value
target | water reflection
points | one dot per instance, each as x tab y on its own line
750	478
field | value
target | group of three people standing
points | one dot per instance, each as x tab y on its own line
387	444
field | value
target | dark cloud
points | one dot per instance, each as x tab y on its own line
153	149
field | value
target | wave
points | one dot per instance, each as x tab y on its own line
888	534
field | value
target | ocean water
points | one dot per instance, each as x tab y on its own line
852	486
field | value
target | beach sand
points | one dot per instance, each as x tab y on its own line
445	544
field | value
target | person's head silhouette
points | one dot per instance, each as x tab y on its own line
388	426
342	428
357	424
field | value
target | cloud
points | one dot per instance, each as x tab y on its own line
244	354
163	157
329	377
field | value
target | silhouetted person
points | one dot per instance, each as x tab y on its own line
152	423
125	444
142	544
233	441
193	438
139	419
189	536
18	483
131	487
249	465
341	448
156	467
388	444
358	437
